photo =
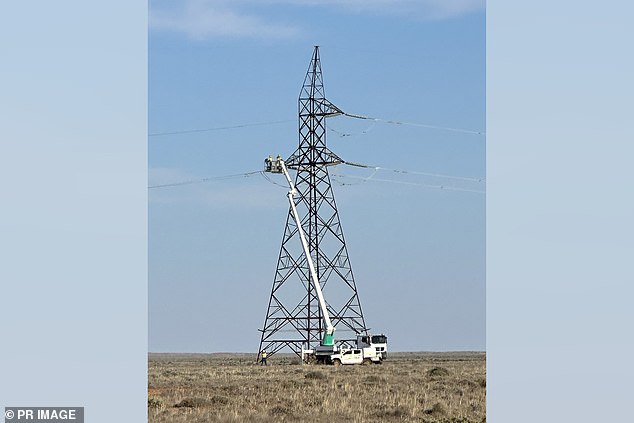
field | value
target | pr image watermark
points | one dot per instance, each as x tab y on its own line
44	414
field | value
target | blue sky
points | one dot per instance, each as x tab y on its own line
418	252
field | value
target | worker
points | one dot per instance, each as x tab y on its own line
264	354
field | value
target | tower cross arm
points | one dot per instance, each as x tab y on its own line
321	107
325	157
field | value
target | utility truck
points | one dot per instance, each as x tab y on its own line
369	348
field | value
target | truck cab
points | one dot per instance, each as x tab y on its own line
373	345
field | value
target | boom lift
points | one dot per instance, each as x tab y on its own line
369	348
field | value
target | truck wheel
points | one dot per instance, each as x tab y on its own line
336	362
367	361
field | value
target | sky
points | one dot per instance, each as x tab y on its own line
417	251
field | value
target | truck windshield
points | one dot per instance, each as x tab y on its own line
379	339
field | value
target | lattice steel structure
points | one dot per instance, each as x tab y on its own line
293	318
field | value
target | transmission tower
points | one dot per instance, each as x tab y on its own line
294	319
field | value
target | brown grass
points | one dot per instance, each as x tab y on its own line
408	387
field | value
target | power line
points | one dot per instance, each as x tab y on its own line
363	179
422	125
413	172
212	178
442	187
350	134
341	134
265	176
218	128
338	175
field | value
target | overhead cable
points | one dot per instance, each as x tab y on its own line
422	125
338	175
218	128
265	176
350	134
442	187
341	134
413	172
212	178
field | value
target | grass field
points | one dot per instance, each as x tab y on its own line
409	387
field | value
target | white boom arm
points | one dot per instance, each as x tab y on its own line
322	303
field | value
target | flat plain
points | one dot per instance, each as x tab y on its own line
408	387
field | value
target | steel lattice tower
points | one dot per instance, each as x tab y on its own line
293	318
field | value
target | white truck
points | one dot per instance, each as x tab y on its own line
369	348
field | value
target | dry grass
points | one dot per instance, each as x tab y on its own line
408	387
